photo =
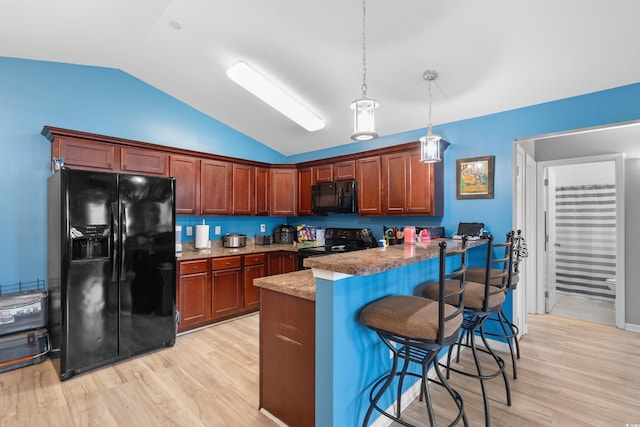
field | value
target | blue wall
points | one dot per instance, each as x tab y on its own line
111	102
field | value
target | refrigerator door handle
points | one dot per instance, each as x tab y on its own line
115	232
123	238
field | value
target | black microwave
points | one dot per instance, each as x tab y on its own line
339	196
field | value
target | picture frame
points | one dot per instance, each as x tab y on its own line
474	177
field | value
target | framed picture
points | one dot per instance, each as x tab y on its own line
474	178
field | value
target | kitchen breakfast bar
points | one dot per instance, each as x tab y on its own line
315	312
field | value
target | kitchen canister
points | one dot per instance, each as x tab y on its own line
410	235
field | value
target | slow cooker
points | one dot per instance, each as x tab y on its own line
234	240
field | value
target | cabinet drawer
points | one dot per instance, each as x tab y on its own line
226	262
188	267
254	259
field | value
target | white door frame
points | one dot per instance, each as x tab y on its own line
618	159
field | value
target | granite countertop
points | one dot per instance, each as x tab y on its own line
217	250
377	260
300	284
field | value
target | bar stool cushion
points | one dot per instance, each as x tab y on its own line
409	316
473	294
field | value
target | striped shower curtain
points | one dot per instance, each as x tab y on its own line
585	229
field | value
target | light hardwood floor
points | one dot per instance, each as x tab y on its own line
571	373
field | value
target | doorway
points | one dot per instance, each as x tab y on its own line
581	241
555	150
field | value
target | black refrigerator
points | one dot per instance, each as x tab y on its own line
111	267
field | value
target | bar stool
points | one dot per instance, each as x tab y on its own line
415	329
481	299
510	331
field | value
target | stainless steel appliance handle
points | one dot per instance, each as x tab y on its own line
115	232
123	238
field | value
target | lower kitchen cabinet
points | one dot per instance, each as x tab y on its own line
209	290
226	286
281	262
193	299
254	267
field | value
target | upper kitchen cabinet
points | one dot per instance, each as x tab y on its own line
394	175
140	160
82	150
344	170
369	186
243	189
261	180
283	191
424	186
216	186
82	154
305	181
185	170
393	181
322	173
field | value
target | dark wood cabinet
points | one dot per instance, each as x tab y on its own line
193	299
305	180
185	170
281	262
344	170
262	191
424	195
254	267
283	190
226	286
369	186
140	160
243	194
394	180
82	154
287	357
391	180
216	179
322	173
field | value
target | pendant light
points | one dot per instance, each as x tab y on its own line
430	143
364	108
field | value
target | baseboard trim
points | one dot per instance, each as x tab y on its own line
631	327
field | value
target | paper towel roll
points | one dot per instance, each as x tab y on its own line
202	236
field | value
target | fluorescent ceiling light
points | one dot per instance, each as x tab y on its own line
255	83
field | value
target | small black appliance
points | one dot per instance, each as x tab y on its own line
340	197
284	233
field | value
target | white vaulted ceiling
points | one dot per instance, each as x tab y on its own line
492	55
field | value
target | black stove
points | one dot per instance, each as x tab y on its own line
339	240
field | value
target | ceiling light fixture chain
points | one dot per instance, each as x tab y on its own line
364	48
364	108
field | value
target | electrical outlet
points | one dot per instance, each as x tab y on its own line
217	230
189	231
263	228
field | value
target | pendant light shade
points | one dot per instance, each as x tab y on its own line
430	143
364	128
364	119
